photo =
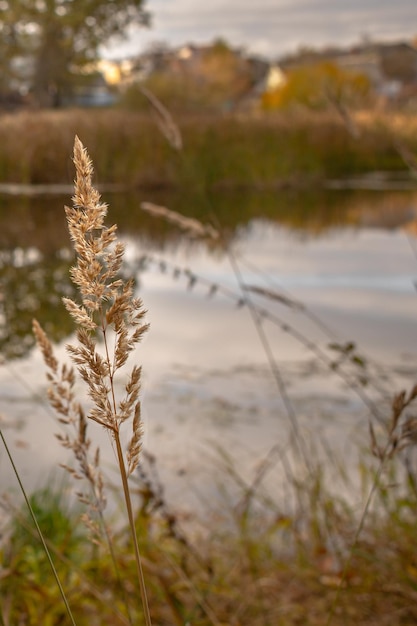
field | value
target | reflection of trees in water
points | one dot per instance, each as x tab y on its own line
37	222
32	288
34	262
33	272
309	211
40	221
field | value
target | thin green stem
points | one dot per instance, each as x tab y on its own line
41	537
90	587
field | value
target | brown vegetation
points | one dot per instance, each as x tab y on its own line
232	151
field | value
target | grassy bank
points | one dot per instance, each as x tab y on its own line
129	149
252	569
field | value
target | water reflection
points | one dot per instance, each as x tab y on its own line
32	287
38	220
35	253
205	373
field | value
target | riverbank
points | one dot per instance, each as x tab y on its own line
244	569
268	151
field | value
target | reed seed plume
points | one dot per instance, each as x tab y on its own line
401	428
70	413
107	305
110	323
192	226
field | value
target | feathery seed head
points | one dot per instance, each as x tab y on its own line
108	303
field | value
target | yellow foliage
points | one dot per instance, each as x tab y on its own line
318	87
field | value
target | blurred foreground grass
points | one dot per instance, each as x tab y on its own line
246	567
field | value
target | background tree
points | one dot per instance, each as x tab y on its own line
9	53
225	72
322	86
53	40
213	77
318	86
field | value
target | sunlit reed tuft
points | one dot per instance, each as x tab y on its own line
109	325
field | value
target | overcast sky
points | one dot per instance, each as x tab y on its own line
272	27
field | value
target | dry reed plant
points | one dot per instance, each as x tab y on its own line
275	295
164	119
71	414
400	434
109	312
190	225
401	428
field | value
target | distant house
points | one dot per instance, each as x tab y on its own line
362	62
270	79
274	78
390	68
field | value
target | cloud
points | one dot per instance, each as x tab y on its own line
273	27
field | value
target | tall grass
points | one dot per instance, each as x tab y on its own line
227	152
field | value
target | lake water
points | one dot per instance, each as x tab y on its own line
212	374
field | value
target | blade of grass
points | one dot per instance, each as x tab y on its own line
41	537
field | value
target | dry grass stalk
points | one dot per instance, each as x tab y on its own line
70	413
108	311
275	295
193	227
401	430
164	119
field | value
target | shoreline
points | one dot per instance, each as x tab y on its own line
374	181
